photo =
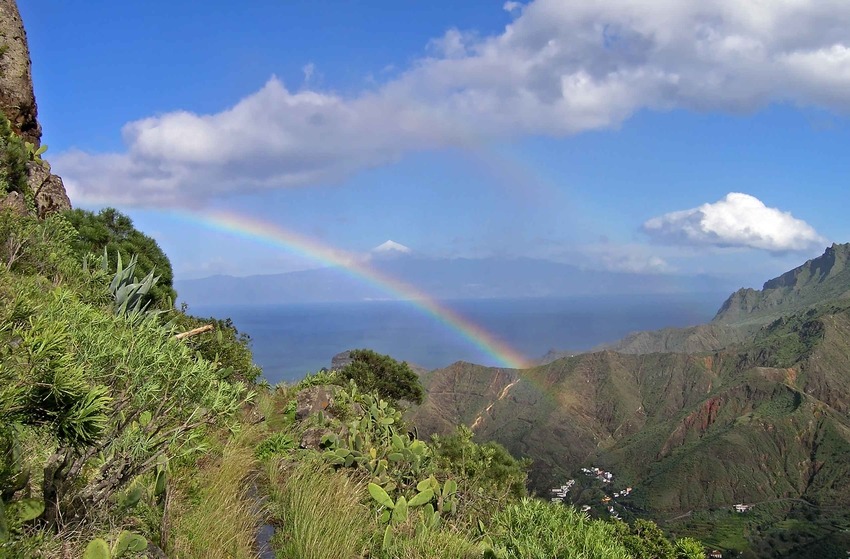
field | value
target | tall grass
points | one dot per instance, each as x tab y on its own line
219	519
533	529
408	543
320	512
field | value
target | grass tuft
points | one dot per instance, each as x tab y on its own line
320	513
220	518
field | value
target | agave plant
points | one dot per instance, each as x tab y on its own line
130	294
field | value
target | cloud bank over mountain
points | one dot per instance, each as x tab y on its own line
559	68
738	220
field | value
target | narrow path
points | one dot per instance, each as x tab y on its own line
265	531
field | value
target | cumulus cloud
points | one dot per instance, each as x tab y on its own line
738	220
560	67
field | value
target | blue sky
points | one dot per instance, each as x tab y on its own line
609	135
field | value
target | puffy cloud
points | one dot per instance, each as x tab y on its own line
738	220
560	67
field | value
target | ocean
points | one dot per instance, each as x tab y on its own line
289	341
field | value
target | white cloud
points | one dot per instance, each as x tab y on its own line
510	6
738	220
561	67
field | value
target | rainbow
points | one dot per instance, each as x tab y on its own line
274	235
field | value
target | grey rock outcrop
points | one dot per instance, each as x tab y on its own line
313	400
49	191
17	99
340	360
15	202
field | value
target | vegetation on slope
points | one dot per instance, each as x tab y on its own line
766	424
111	231
120	438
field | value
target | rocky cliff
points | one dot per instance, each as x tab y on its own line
817	281
45	191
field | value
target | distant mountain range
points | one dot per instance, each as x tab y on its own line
752	408
458	278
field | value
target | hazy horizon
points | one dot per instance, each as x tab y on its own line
626	137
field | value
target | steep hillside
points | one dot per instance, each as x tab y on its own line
767	422
818	281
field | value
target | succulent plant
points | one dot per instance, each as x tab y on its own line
15	513
98	548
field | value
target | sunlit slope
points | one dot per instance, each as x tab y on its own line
818	281
762	422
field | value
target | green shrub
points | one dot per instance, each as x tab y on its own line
278	444
41	247
113	231
117	394
13	161
481	469
384	375
645	540
225	346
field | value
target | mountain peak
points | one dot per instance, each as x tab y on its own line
820	279
391	247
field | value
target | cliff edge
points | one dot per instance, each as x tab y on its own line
44	192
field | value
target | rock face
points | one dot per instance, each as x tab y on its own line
17	101
340	360
48	188
314	399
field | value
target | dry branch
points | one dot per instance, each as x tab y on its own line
193	332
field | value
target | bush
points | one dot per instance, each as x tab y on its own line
487	469
111	230
36	247
13	161
225	346
645	540
384	375
117	395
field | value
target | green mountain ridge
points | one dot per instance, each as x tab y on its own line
761	418
819	280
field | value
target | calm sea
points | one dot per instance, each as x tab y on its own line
291	340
